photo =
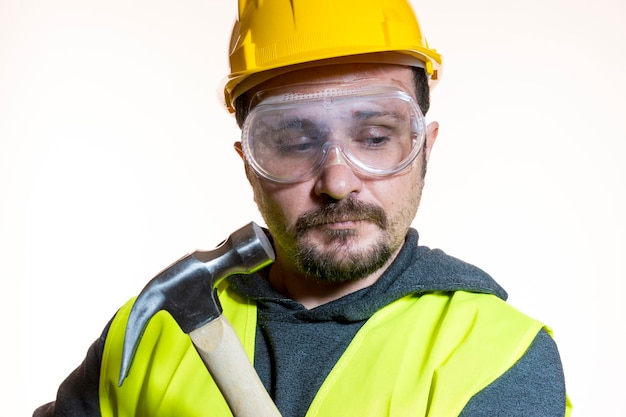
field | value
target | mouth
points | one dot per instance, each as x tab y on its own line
340	223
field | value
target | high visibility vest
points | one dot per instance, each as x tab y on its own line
423	355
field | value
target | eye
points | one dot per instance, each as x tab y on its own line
375	137
296	143
377	141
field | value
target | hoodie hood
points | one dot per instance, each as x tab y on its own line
416	270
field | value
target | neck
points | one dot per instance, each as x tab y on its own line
311	292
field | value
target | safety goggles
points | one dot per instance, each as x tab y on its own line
377	130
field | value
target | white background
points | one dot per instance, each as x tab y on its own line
116	159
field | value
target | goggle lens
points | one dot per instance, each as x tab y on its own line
378	130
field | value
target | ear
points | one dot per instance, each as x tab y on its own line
237	146
432	130
239	150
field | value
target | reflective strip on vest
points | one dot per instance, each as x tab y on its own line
422	355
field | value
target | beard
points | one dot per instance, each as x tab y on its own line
340	262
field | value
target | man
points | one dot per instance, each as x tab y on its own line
354	318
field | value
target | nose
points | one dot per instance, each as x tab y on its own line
337	180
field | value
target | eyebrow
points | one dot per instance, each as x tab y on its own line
370	114
296	122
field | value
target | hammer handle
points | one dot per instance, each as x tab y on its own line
224	356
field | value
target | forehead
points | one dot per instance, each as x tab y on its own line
355	74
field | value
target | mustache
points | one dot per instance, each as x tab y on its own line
349	209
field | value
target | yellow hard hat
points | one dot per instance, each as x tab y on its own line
277	36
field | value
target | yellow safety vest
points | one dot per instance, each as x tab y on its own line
423	355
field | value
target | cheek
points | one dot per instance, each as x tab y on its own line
264	199
401	196
400	190
279	204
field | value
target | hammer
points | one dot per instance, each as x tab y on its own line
186	290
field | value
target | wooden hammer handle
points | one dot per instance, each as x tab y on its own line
224	356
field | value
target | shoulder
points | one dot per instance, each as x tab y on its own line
421	269
533	386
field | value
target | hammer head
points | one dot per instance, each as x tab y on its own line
186	288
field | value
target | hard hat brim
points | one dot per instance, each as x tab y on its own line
238	83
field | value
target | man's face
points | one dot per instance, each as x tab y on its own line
339	225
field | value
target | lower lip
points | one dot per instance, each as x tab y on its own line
341	225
